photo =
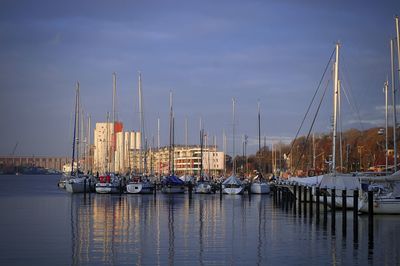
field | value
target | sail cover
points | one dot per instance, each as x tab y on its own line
232	180
172	180
341	182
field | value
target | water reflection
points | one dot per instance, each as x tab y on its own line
171	229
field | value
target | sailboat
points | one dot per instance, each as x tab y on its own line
232	185
171	184
110	183
259	184
76	183
386	190
203	186
141	184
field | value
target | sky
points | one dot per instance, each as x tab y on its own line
205	52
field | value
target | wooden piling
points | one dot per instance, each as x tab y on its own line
299	199
311	201
305	201
333	210
344	213
84	186
294	198
317	194
220	190
370	217
325	206
355	216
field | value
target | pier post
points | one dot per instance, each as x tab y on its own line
299	199
249	190
294	198
355	216
84	186
155	189
120	186
305	201
311	201
344	212
333	210
325	206
190	188
220	190
370	218
287	198
317	204
90	185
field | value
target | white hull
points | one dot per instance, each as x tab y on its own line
76	187
173	189
381	206
107	188
140	188
202	188
233	190
260	188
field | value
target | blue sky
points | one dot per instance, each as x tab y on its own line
206	52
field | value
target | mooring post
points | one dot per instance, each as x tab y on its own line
370	217
325	206
317	204
355	216
155	189
190	189
294	198
305	201
333	210
220	190
299	199
90	185
344	212
249	190
120	186
311	201
84	186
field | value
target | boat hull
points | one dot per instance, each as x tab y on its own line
381	206
260	188
170	189
107	188
140	188
203	188
233	190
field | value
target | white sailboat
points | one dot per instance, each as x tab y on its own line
259	185
203	186
171	184
232	185
109	184
141	184
75	183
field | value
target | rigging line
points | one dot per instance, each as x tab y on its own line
312	125
312	100
346	80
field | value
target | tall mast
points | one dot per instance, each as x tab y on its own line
259	136
88	143
394	106
398	69
170	133
75	122
224	149
158	133
386	125
113	120
233	137
335	100
142	136
340	125
108	143
78	127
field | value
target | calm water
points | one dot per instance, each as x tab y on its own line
42	225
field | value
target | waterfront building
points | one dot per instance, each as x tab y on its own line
10	163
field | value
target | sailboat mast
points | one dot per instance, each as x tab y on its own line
335	100
142	137
394	106
259	136
170	133
75	121
386	127
233	136
88	143
113	121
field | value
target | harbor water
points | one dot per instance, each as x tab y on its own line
43	225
